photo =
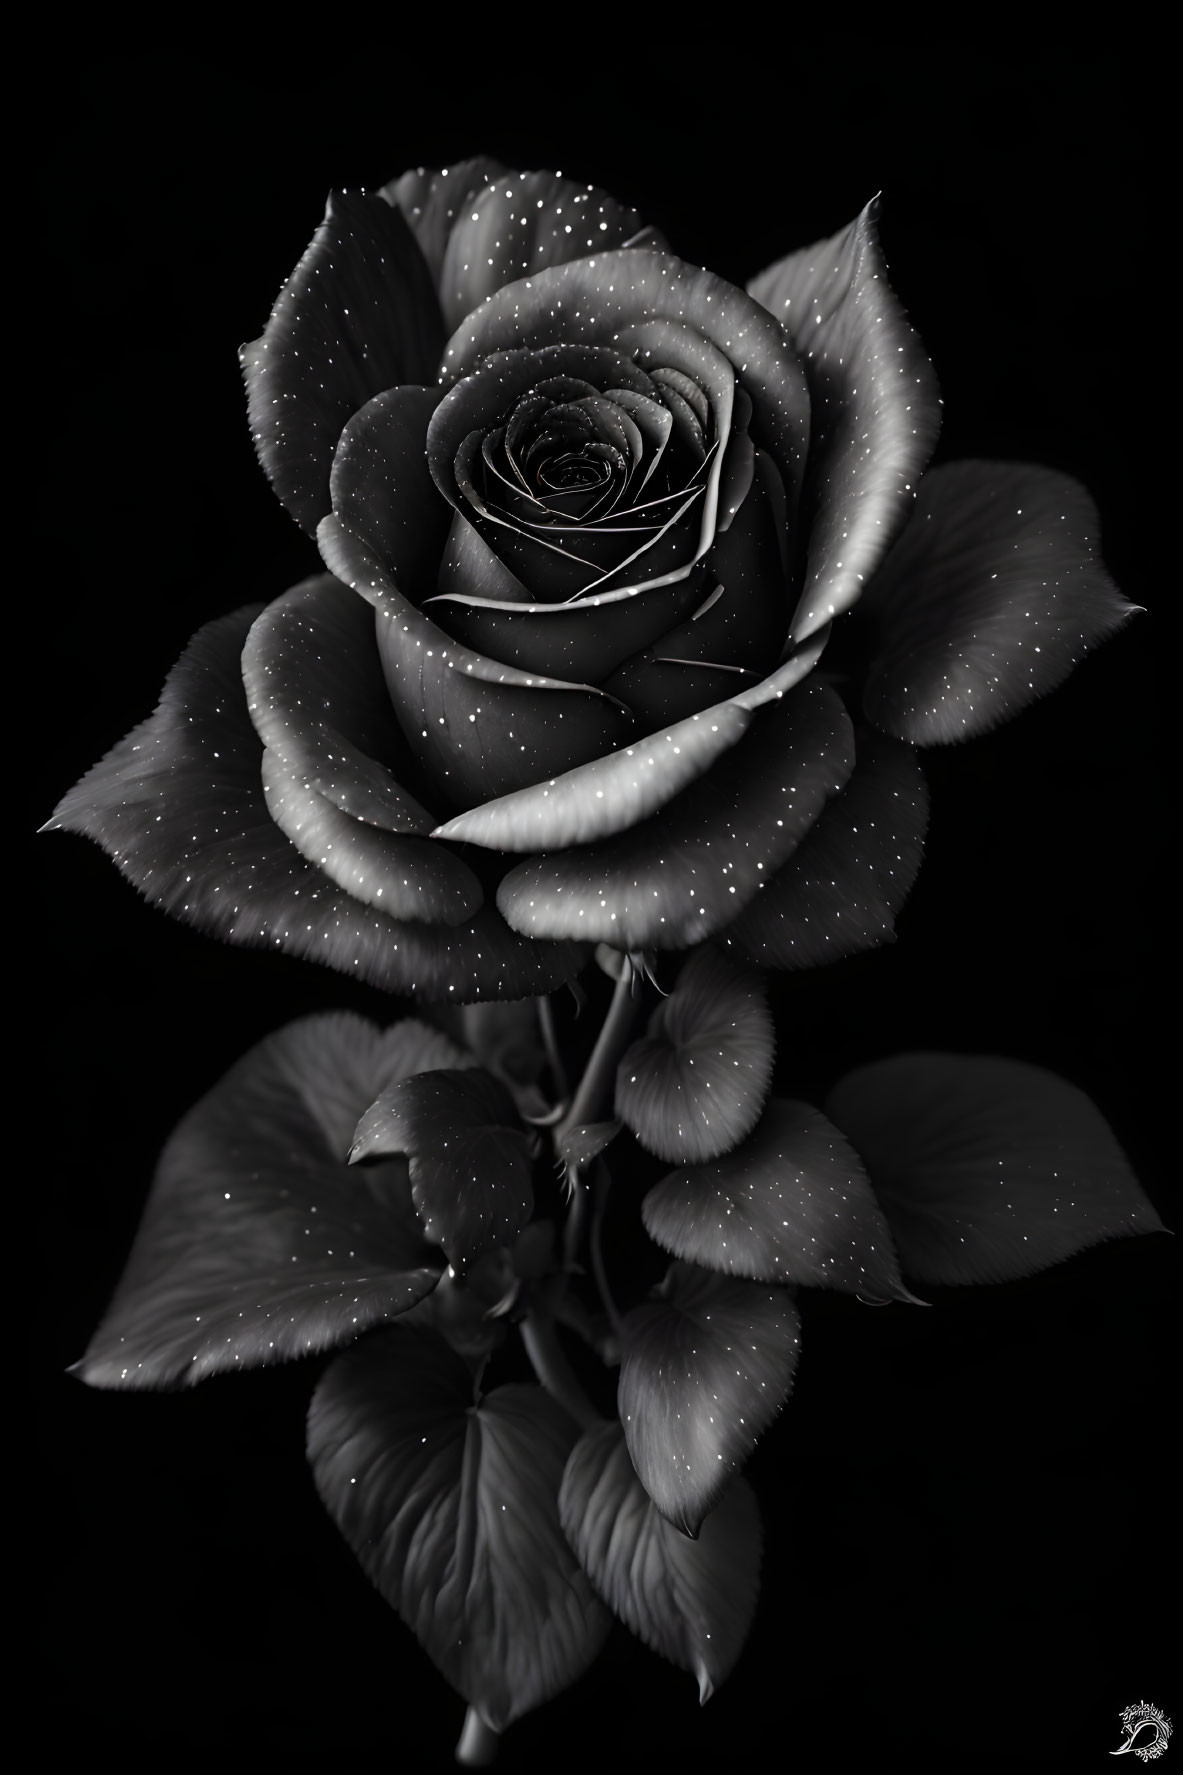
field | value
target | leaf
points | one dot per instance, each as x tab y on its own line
703	1372
258	1242
987	1169
579	1146
695	1085
469	1157
792	1204
692	1601
452	1510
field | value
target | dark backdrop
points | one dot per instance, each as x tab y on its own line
965	1507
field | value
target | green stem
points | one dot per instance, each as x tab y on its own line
594	1091
550	1041
478	1743
551	1366
601	1067
603	1184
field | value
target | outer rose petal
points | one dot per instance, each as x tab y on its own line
840	890
318	700
591	300
987	601
357	315
673	880
876	411
179	806
403	876
229	1269
519	226
433	198
613	793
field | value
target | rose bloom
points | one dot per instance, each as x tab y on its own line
636	611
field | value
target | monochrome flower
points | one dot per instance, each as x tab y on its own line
593	516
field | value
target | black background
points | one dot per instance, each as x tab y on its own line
966	1507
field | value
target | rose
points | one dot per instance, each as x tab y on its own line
601	536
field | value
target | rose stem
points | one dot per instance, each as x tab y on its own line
558	1072
477	1747
600	1202
553	1369
593	1090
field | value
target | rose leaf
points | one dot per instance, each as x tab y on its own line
357	315
580	1145
703	1371
452	1510
842	887
691	1601
990	597
258	1242
792	1204
987	1169
694	1086
469	1157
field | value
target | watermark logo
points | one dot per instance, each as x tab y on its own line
1147	1730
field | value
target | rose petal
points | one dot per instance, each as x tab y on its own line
987	601
555	562
433	198
178	805
608	795
695	1084
875	405
357	315
692	1601
986	1168
589	637
523	223
592	298
483	722
665	345
841	889
405	877
452	1509
480	728
318	700
258	1243
382	491
703	1372
740	627
674	879
470	572
792	1204
477	401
